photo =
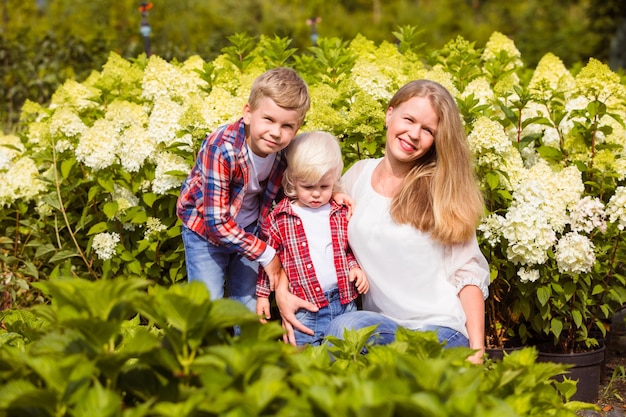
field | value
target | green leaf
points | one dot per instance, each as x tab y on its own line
66	167
62	254
556	327
149	198
110	209
543	294
98	228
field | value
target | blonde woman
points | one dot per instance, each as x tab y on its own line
413	228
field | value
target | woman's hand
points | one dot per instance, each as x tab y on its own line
288	304
346	200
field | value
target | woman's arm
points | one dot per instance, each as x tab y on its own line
474	307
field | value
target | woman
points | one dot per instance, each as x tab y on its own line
413	228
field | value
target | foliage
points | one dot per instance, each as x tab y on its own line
90	183
123	347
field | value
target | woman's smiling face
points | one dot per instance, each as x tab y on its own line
411	129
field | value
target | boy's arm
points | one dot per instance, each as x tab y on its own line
221	227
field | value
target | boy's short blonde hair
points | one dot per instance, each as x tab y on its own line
285	87
311	156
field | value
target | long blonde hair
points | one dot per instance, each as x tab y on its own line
440	194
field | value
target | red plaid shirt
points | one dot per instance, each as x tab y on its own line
283	230
212	194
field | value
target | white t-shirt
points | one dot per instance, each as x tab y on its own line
259	172
316	224
413	280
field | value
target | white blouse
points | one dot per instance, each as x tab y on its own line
414	280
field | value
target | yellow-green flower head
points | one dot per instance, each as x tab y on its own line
439	75
153	228
221	107
10	148
33	112
596	81
193	63
551	73
498	43
75	95
20	181
324	114
504	86
376	68
125	199
119	77
481	89
488	135
165	80
125	113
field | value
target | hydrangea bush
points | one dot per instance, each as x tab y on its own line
89	184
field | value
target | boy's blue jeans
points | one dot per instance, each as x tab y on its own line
386	331
318	321
218	267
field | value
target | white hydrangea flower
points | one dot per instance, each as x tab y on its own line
104	244
490	227
588	215
574	253
166	162
551	137
529	234
528	275
97	147
163	124
66	123
135	147
616	208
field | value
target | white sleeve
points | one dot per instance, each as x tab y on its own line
468	266
351	176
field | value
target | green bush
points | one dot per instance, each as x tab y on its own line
124	347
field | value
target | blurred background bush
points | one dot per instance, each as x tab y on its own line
44	42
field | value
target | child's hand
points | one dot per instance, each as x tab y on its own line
360	280
263	309
344	199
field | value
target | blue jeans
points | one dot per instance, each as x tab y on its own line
218	267
318	321
386	331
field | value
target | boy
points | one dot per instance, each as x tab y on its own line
309	230
232	186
